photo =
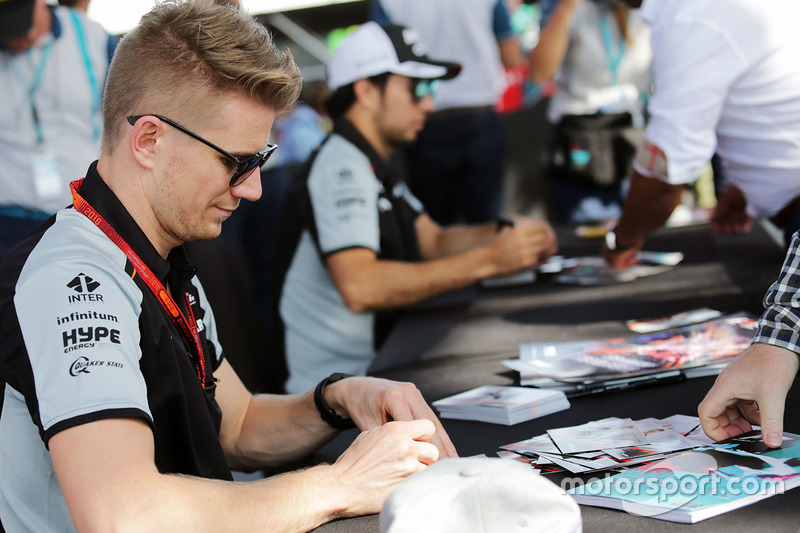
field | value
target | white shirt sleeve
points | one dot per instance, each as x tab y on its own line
694	63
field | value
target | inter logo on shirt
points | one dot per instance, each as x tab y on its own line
83	283
84	286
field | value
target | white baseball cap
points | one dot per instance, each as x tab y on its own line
374	49
479	494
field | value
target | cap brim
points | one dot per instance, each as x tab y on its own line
16	17
429	70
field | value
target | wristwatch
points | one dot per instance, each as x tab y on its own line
611	243
325	411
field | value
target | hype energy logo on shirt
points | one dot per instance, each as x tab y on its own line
88	337
84	289
97	330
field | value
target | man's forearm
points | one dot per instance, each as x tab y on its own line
368	283
510	52
546	57
295	430
106	472
266	429
649	204
457	239
383	284
297	501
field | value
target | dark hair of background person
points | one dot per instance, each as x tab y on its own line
342	98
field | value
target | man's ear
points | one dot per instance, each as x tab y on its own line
367	94
144	139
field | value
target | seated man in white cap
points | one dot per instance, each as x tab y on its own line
355	246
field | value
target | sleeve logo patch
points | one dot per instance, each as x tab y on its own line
344	203
82	365
88	337
84	288
83	283
345	175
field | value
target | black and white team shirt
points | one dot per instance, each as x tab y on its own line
346	197
82	339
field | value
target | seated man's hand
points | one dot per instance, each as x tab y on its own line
372	402
525	244
379	460
730	216
751	389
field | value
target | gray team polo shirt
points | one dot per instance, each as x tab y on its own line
349	198
82	339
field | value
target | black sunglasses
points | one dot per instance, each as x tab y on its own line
243	166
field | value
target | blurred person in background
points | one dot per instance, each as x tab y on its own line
457	166
83	5
53	63
304	127
598	51
355	246
726	80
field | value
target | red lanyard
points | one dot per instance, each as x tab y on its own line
187	327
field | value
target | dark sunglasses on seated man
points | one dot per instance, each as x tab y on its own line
244	166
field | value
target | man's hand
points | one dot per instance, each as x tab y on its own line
382	458
755	384
372	402
622	259
526	243
730	216
649	203
625	253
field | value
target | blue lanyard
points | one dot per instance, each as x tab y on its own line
614	59
33	88
87	63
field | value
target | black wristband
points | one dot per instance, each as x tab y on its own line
502	222
325	411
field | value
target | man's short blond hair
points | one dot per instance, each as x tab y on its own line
186	54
